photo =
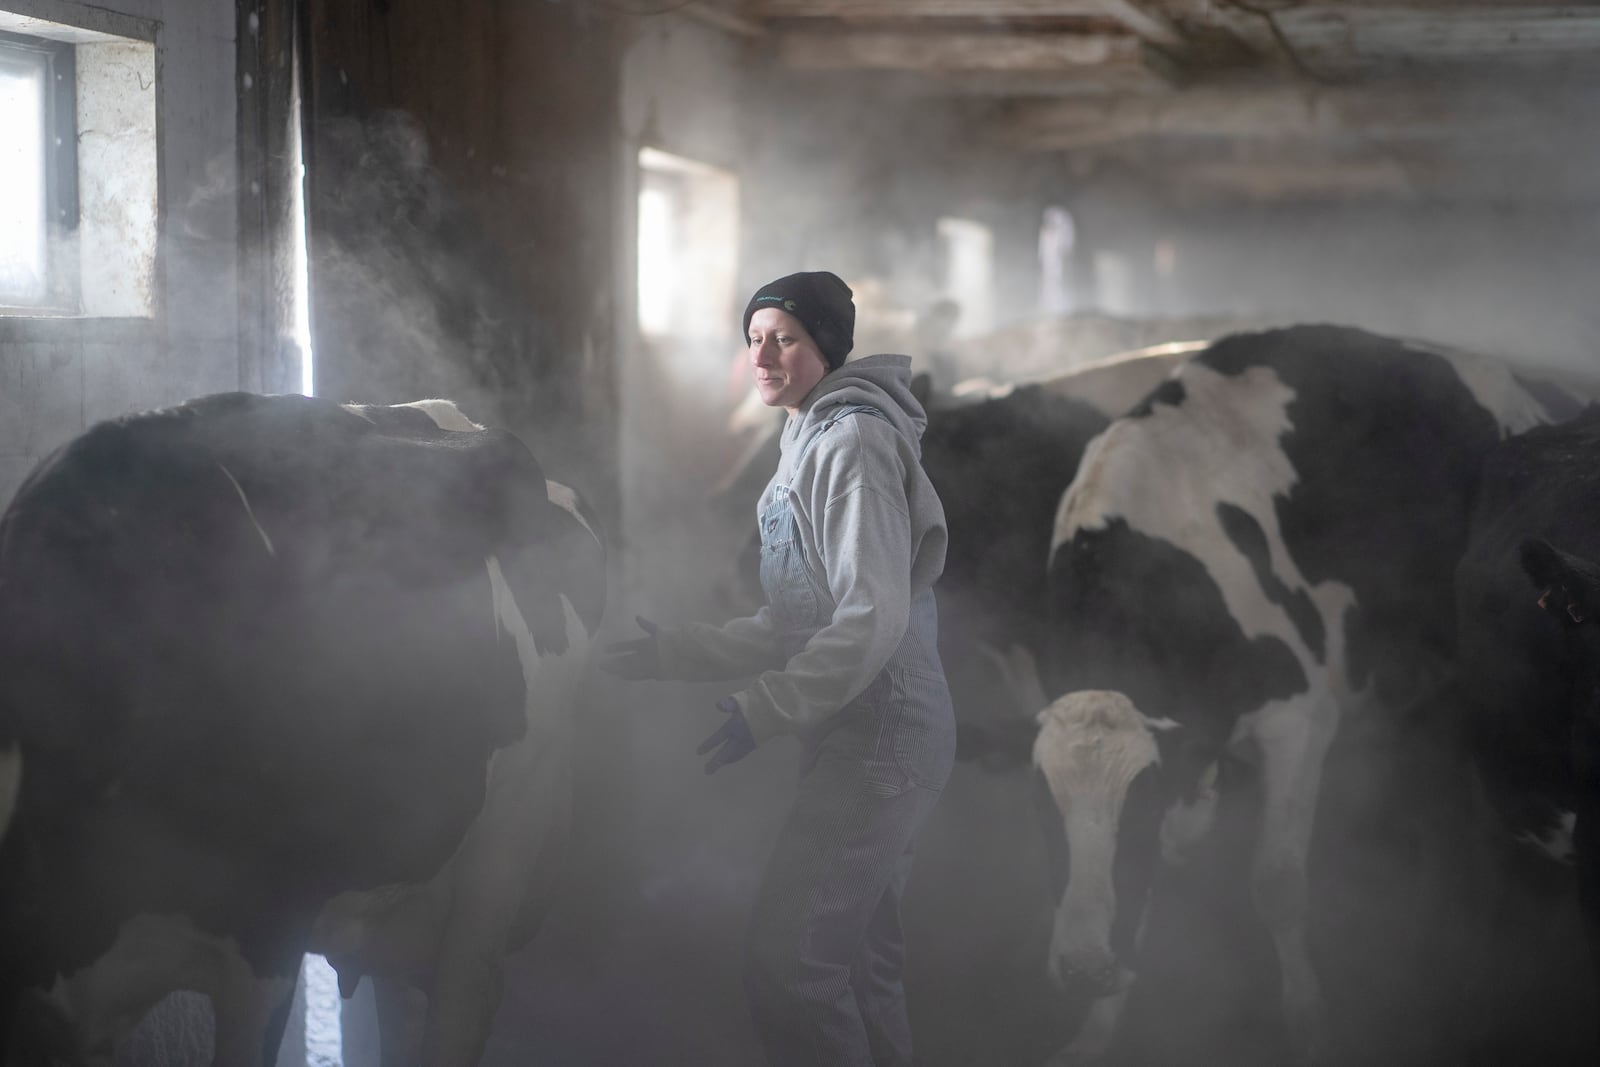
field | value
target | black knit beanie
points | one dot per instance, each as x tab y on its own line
821	301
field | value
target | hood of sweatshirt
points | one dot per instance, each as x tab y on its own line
883	381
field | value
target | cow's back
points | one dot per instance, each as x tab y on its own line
1286	501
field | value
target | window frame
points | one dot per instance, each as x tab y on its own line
59	59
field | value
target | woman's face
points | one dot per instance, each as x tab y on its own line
787	363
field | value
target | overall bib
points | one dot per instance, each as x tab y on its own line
825	953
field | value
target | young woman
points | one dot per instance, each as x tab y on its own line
844	656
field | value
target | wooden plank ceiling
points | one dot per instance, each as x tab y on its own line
1496	100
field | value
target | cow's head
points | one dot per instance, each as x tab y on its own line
1120	789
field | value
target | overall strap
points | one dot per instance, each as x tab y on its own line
840	412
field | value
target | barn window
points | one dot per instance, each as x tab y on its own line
38	171
77	170
688	248
968	253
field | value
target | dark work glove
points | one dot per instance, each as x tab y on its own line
636	660
732	741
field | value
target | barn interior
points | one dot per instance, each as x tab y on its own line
552	211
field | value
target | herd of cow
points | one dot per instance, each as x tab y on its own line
280	675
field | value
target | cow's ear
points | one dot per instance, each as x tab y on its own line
997	746
1569	586
1541	561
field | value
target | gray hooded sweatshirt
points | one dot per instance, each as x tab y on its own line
873	533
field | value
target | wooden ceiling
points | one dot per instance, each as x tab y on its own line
1425	99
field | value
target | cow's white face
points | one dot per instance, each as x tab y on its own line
1091	746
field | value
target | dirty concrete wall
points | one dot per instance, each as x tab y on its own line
59	375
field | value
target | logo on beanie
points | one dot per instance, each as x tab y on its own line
788	305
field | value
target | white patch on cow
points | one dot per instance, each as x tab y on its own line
457	928
324	1034
1116	383
153	954
1556	842
1493	386
1090	746
565	498
1111	385
10	783
248	510
444	414
358	410
509	619
1164	474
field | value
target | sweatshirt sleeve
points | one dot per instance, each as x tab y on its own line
700	652
858	511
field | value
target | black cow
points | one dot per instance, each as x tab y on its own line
1256	552
1529	664
281	675
1000	467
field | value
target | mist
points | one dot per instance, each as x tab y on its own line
439	267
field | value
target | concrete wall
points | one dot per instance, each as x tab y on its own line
58	376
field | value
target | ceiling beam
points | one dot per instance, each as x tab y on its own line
718	15
941	51
1291	179
1147	21
880	9
1383	113
1013	85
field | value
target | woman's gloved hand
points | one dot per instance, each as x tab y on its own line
732	740
636	660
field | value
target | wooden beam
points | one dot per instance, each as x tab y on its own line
723	19
1290	179
1400	113
1098	82
940	51
1147	20
880	9
1072	124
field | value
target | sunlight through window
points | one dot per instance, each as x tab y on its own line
23	201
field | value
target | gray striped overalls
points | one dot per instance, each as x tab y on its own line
825	951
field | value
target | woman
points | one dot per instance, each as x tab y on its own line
844	656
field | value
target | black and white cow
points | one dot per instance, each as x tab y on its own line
1252	554
280	675
1529	663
